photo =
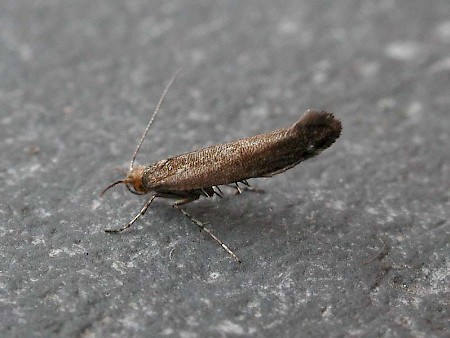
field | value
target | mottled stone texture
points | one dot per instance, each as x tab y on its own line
355	242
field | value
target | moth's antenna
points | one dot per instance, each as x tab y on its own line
110	186
158	106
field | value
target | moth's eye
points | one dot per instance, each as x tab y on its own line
132	189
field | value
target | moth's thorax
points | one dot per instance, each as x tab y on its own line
134	178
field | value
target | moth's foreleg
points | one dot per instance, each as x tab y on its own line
202	227
135	218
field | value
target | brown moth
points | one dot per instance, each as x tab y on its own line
189	176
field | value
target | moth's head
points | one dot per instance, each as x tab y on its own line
133	181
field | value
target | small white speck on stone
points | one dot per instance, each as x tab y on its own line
414	111
167	331
95	204
198	116
327	312
214	275
188	334
288	26
439	278
54	252
43	213
227	326
5	121
130	322
372	210
206	301
38	240
403	50
119	266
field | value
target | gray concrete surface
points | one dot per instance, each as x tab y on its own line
352	243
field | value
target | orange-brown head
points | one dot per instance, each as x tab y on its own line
133	181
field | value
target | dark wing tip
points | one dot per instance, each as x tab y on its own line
322	118
320	128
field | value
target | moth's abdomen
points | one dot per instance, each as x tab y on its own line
258	156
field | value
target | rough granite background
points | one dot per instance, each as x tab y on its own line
355	242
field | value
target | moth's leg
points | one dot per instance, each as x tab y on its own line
217	191
202	226
239	190
248	187
135	218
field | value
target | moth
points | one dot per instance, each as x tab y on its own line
187	177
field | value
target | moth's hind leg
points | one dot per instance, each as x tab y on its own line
240	189
135	218
201	225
